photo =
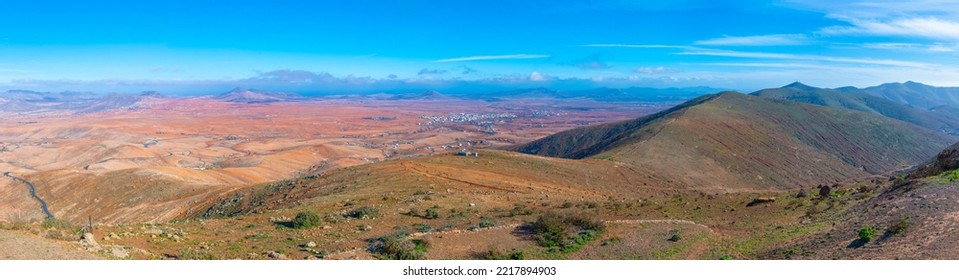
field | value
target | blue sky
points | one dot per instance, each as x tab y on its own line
199	46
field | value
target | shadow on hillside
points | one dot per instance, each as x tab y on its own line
286	224
525	232
858	243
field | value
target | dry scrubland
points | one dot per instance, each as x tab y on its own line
155	161
725	176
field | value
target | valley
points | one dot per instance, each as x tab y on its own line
156	161
774	174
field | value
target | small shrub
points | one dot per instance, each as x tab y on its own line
613	240
950	176
306	219
486	222
726	257
365	212
413	213
675	236
550	230
899	227
398	247
422	227
496	254
867	233
55	223
432	213
520	210
568	233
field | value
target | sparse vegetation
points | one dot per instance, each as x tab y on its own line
613	240
399	247
188	254
568	232
55	224
306	219
520	210
432	213
363	213
486	222
866	233
422	227
899	227
674	236
496	254
950	176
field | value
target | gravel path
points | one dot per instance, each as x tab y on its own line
21	246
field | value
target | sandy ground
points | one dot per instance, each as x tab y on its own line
20	246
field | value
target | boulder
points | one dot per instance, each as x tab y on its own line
119	253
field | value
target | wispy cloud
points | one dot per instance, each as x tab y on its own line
925	27
493	57
936	47
655	70
633	46
786	56
770	65
758	40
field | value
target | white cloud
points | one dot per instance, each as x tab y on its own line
937	47
537	77
493	57
926	27
758	40
655	70
784	56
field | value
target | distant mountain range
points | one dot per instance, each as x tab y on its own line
732	140
915	94
873	100
24	101
923	105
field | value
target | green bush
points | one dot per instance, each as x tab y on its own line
674	236
950	176
365	212
432	213
306	219
867	233
568	233
550	230
486	222
398	247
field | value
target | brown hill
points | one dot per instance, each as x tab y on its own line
947	160
913	217
736	141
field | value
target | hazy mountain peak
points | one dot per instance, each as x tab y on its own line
800	86
243	95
